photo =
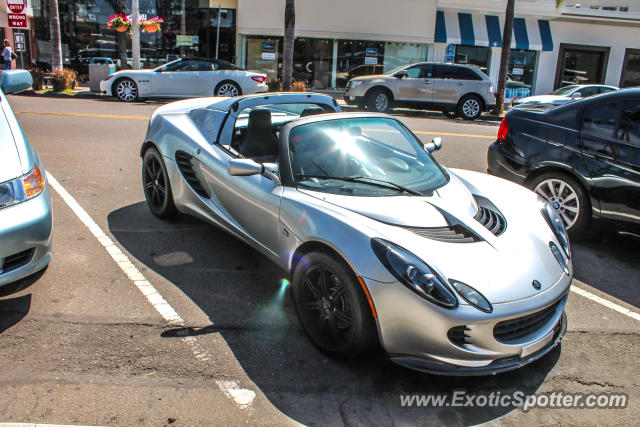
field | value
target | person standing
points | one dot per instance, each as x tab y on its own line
6	54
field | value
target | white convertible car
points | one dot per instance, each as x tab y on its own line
184	78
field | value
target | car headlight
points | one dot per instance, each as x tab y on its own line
557	225
472	296
559	257
354	83
414	273
21	189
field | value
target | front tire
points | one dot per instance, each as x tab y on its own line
470	107
125	89
156	185
568	197
332	307
379	100
227	88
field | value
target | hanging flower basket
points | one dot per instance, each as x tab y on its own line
151	25
121	22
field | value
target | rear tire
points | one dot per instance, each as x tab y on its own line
470	107
227	88
379	100
332	307
156	185
569	196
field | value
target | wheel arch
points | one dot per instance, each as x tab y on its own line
119	79
474	94
564	170
316	246
380	87
146	145
221	82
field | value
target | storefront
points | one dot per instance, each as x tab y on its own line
476	39
631	68
336	40
581	64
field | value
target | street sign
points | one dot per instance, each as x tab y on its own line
17	20
18	37
20	47
16	6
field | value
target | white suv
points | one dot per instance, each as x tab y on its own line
453	89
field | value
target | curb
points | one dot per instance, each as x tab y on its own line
80	94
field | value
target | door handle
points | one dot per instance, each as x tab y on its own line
460	84
427	82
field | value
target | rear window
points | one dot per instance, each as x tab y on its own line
601	119
457	73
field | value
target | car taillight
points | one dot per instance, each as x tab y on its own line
259	79
503	130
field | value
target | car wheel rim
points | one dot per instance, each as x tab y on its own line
471	108
381	102
155	185
127	90
563	199
227	89
325	307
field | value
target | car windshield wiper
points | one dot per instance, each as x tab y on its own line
366	180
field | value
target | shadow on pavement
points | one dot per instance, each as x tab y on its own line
609	263
13	310
240	291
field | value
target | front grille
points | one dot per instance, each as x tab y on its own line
511	330
186	168
16	260
458	335
452	234
489	216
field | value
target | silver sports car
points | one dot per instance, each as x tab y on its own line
451	271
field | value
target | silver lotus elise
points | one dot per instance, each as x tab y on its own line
451	271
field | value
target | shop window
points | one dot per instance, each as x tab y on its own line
473	55
358	58
631	69
521	73
578	64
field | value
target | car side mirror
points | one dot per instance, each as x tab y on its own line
249	167
400	75
576	95
434	145
13	81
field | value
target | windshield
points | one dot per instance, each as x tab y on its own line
395	70
564	90
362	157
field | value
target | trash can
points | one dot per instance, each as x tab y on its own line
97	73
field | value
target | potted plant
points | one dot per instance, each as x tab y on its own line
121	22
151	25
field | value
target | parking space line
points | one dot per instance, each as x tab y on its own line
464	135
242	397
611	305
99	116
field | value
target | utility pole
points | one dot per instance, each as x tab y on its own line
505	56
135	35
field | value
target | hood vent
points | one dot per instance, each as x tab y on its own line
184	164
451	234
489	216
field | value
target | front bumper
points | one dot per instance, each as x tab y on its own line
105	87
414	332
25	238
353	100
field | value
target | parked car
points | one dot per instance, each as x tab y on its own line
566	94
462	89
582	157
361	70
182	78
452	271
25	203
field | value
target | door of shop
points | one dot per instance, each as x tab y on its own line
581	64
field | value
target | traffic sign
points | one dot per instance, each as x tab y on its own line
16	6
17	20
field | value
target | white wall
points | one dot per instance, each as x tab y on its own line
380	20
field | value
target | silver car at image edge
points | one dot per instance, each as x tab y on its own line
25	202
450	271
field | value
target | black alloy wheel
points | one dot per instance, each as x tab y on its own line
332	307
157	189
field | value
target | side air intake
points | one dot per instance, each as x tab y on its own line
186	168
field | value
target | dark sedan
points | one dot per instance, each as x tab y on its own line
584	157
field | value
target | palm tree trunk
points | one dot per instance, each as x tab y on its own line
54	34
287	46
505	56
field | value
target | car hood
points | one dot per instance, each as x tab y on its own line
544	99
10	164
501	267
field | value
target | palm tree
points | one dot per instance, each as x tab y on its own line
287	45
54	34
504	56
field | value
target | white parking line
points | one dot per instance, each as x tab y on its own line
613	306
242	397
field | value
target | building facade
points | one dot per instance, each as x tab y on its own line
593	41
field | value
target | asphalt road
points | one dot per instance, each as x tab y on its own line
80	344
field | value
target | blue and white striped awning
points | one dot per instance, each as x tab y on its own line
486	30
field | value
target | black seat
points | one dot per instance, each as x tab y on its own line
310	111
260	140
